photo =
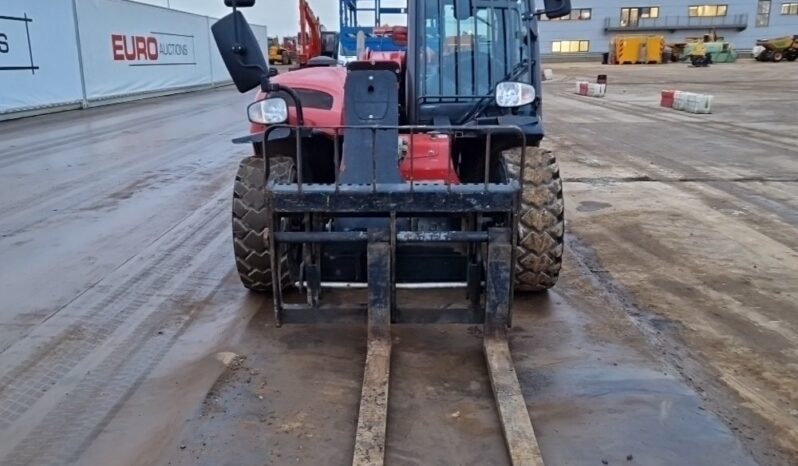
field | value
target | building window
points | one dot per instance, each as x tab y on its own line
763	13
632	16
570	46
577	14
789	8
708	10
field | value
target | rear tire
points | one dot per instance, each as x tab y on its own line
250	217
541	220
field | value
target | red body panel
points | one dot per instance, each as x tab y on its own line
396	57
428	158
430	153
325	79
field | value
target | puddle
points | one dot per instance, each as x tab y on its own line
592	206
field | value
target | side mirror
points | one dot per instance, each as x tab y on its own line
239	3
240	51
463	10
557	8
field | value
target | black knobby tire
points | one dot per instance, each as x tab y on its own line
250	217
541	220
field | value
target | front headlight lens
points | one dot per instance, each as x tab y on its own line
268	111
514	94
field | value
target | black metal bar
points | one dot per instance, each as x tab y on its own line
277	292
441	43
395	198
321	236
407	128
475	52
307	259
457	44
299	164
522	170
380	284
374	158
519	435
392	246
373	413
506	40
442	236
498	282
337	158
362	236
412	159
300	114
488	148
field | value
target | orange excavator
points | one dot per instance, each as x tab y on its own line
314	40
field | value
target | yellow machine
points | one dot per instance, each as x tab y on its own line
278	54
698	55
637	49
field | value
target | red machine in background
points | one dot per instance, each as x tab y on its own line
313	40
397	33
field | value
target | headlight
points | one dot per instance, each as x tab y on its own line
514	94
268	111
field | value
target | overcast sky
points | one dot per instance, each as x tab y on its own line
280	16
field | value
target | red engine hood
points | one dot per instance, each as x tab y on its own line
330	80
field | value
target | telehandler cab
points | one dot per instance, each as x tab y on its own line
404	170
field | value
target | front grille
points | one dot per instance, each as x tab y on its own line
310	98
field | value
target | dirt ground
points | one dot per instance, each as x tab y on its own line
672	337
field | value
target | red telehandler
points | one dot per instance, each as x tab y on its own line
417	170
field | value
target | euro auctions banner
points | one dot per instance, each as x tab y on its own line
39	64
130	48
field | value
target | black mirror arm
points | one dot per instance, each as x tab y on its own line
237	47
268	86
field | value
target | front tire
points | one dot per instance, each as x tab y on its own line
541	220
250	217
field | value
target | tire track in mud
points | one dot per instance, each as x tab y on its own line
82	138
665	167
69	429
772	217
667	337
722	129
75	191
81	194
141	301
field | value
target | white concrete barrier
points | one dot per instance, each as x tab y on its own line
591	89
692	103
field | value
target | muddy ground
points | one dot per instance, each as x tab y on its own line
125	337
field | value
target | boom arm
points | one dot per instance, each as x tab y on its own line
310	33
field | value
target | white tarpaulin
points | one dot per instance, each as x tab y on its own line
39	64
130	48
127	50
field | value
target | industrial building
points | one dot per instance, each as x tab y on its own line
592	24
